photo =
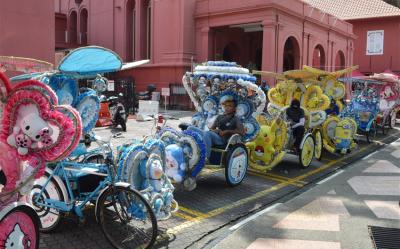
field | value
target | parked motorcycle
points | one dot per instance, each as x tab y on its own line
116	111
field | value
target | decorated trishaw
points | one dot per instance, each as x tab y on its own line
374	103
184	152
294	84
34	130
339	129
82	176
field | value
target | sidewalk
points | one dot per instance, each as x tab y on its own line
334	214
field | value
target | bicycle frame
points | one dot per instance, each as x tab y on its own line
76	202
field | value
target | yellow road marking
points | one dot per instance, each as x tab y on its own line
289	182
192	212
183	216
260	194
283	177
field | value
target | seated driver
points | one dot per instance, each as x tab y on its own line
333	108
297	120
224	126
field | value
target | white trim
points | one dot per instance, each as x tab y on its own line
254	216
330	177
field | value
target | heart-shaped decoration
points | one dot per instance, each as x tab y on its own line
35	129
315	100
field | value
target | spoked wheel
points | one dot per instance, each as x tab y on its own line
318	145
307	149
236	164
371	133
49	217
126	218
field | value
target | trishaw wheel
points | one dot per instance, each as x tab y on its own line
20	228
318	145
392	122
307	151
236	164
49	217
371	133
126	218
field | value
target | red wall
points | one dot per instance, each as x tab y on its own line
391	47
27	29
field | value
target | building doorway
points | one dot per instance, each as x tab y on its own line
291	54
319	57
239	43
340	62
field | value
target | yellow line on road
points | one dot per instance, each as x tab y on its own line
183	216
289	182
192	212
283	177
260	194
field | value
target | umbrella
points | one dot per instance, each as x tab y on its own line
25	65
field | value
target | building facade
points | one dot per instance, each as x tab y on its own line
376	25
389	59
269	35
27	29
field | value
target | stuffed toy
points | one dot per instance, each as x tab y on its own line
175	162
31	131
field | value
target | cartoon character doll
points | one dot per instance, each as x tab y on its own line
175	162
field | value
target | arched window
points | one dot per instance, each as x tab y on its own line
72	28
130	30
83	26
340	61
319	57
291	54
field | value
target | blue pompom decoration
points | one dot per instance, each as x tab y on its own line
88	106
202	148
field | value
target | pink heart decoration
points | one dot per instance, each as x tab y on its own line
64	122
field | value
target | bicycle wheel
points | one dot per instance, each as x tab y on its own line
126	218
49	217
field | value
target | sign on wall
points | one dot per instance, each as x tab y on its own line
165	92
111	86
375	42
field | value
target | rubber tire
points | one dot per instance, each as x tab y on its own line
372	131
103	197
56	224
308	136
392	115
315	145
35	220
227	164
123	125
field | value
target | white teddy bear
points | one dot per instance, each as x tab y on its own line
30	130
